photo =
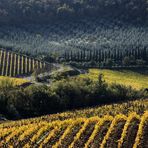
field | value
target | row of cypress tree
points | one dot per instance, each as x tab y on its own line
103	55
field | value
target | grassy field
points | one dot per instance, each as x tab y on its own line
13	81
125	77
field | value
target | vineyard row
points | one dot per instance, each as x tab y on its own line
119	131
12	64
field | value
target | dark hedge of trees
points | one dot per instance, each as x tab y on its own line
67	94
38	11
100	58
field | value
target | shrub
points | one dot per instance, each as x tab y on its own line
66	94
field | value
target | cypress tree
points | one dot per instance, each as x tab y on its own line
109	54
68	57
64	55
103	57
130	53
71	56
96	56
138	53
81	56
126	53
84	55
112	55
99	56
118	55
115	54
78	56
144	56
90	55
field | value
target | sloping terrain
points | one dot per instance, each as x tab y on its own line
20	12
13	64
108	131
125	77
13	81
85	34
138	106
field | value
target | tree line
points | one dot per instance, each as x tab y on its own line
126	57
66	94
39	11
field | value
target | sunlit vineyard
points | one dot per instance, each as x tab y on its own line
73	73
108	131
138	106
124	77
13	64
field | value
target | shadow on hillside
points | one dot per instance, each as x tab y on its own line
143	71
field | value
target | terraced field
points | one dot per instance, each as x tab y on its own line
138	106
13	64
108	131
125	77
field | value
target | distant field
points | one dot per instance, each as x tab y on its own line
125	77
15	81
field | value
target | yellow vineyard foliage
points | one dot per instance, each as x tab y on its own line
125	77
52	134
14	81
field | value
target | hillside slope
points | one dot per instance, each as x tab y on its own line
136	80
138	106
86	34
120	131
13	64
14	11
13	81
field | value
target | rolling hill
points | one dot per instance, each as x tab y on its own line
73	107
85	34
20	12
14	81
13	64
135	79
116	125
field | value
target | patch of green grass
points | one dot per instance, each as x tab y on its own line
125	77
14	81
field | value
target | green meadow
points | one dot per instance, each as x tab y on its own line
126	77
